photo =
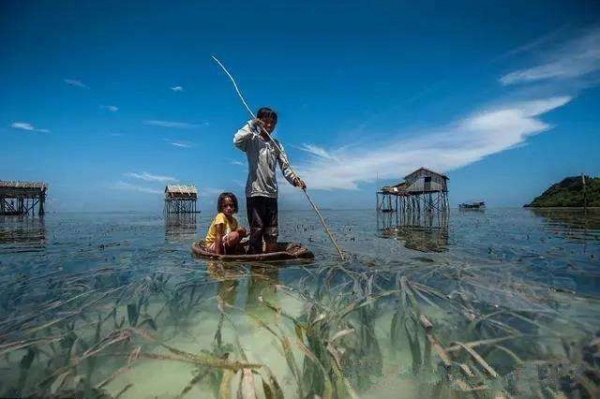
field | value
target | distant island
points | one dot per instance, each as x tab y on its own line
569	193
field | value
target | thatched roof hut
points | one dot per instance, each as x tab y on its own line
180	198
425	180
422	180
22	188
181	191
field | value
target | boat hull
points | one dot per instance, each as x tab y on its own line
286	253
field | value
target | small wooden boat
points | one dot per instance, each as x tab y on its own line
472	205
286	253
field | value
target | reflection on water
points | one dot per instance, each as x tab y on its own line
259	284
482	210
180	227
574	259
420	232
107	307
571	223
228	281
22	233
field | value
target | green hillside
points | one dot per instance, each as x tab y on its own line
569	193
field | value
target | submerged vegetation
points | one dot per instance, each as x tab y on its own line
106	319
570	193
445	330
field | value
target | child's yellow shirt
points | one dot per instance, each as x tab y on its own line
227	227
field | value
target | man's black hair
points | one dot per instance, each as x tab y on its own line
222	199
265	113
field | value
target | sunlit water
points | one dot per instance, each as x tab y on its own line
102	304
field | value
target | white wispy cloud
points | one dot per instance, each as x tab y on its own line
469	140
238	163
76	83
575	58
150	177
181	144
22	125
121	185
535	43
176	88
317	151
171	124
27	126
478	135
110	108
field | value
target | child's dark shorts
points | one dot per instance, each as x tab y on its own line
262	217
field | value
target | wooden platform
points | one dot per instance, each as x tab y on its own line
22	198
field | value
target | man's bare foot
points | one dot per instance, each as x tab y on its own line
270	247
294	248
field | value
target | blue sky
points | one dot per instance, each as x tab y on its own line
109	101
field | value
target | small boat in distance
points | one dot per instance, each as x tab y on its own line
472	205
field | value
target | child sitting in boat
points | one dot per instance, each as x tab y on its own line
224	234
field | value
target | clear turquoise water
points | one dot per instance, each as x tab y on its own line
532	275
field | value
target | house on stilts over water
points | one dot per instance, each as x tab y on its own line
22	198
180	198
421	191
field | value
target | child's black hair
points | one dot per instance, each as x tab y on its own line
266	112
221	199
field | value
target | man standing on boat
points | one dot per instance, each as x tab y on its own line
263	152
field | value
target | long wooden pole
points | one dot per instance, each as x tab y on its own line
584	194
285	159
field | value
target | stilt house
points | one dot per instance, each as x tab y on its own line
421	190
180	198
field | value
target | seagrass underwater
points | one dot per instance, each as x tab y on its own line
499	302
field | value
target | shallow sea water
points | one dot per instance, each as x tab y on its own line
501	302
